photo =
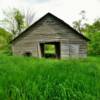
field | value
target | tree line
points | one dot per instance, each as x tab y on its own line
15	21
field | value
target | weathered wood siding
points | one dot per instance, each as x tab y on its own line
49	29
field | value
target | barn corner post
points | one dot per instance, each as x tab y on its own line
39	53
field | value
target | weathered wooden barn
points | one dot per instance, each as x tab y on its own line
50	30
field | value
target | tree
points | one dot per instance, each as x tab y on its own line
29	17
9	22
93	33
15	21
79	24
19	18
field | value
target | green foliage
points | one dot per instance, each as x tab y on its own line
49	48
93	33
5	34
80	24
19	17
77	25
14	21
40	79
5	38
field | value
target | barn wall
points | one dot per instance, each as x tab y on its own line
22	47
49	29
66	50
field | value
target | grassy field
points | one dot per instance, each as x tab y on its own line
40	79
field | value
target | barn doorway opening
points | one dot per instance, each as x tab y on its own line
50	49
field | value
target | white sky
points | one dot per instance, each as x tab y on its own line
67	10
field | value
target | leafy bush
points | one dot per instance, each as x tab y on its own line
5	38
93	33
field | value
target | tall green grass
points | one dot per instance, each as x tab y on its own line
41	79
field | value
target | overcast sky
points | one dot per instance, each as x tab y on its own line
67	10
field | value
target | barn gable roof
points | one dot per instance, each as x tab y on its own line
80	34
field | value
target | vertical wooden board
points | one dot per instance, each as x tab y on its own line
33	49
64	50
39	55
74	50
